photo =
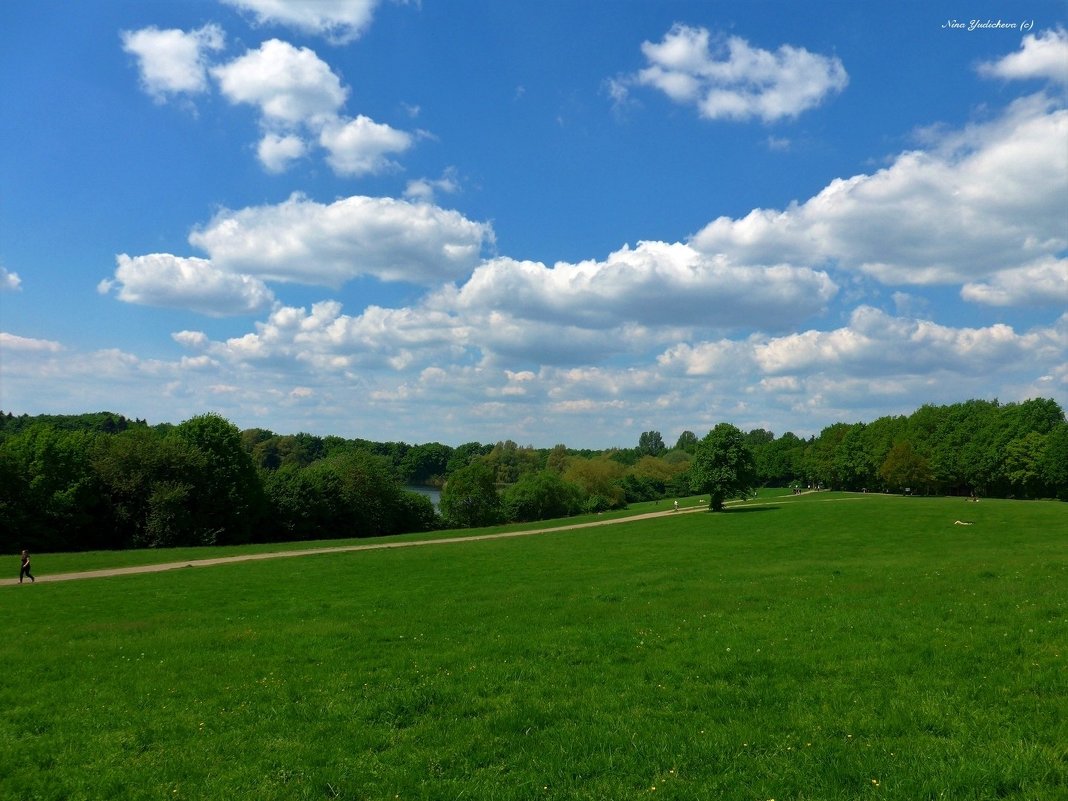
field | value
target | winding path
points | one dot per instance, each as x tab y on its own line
370	546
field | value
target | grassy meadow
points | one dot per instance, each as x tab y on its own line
817	647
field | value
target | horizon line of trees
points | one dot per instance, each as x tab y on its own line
103	481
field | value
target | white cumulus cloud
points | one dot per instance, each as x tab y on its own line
289	85
9	281
173	61
875	343
980	201
303	241
17	344
361	146
1043	55
276	152
655	283
160	279
300	97
425	189
733	80
339	21
1043	283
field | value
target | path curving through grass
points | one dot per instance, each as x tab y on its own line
380	545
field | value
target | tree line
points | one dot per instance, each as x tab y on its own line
102	481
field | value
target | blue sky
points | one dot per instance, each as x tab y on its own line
548	222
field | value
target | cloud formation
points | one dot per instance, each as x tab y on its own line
160	279
289	85
339	21
298	96
655	284
171	61
779	310
876	343
360	146
13	343
982	202
9	281
733	80
1041	283
303	241
1043	55
425	189
277	152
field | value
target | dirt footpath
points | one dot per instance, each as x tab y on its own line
370	546
377	546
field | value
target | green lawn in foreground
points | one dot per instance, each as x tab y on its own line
815	648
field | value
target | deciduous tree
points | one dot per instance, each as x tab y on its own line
469	497
650	443
723	466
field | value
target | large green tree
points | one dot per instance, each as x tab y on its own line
147	481
426	464
687	442
227	503
723	466
650	443
600	479
51	498
1055	462
469	497
541	496
904	468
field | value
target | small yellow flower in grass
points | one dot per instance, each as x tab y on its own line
875	782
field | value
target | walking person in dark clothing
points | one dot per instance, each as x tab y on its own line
25	571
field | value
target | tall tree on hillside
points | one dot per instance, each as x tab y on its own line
852	465
650	443
599	479
904	468
541	496
147	481
227	503
464	454
1055	462
56	495
469	497
509	461
425	464
723	466
779	461
556	461
687	442
820	465
1023	463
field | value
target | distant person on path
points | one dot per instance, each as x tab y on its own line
25	571
676	506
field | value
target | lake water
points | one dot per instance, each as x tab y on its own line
431	492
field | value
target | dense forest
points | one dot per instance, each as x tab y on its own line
102	481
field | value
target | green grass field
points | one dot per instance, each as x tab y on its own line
821	647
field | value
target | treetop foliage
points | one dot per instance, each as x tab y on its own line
100	480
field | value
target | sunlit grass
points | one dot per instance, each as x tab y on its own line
52	564
816	648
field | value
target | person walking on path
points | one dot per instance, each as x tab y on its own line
25	571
